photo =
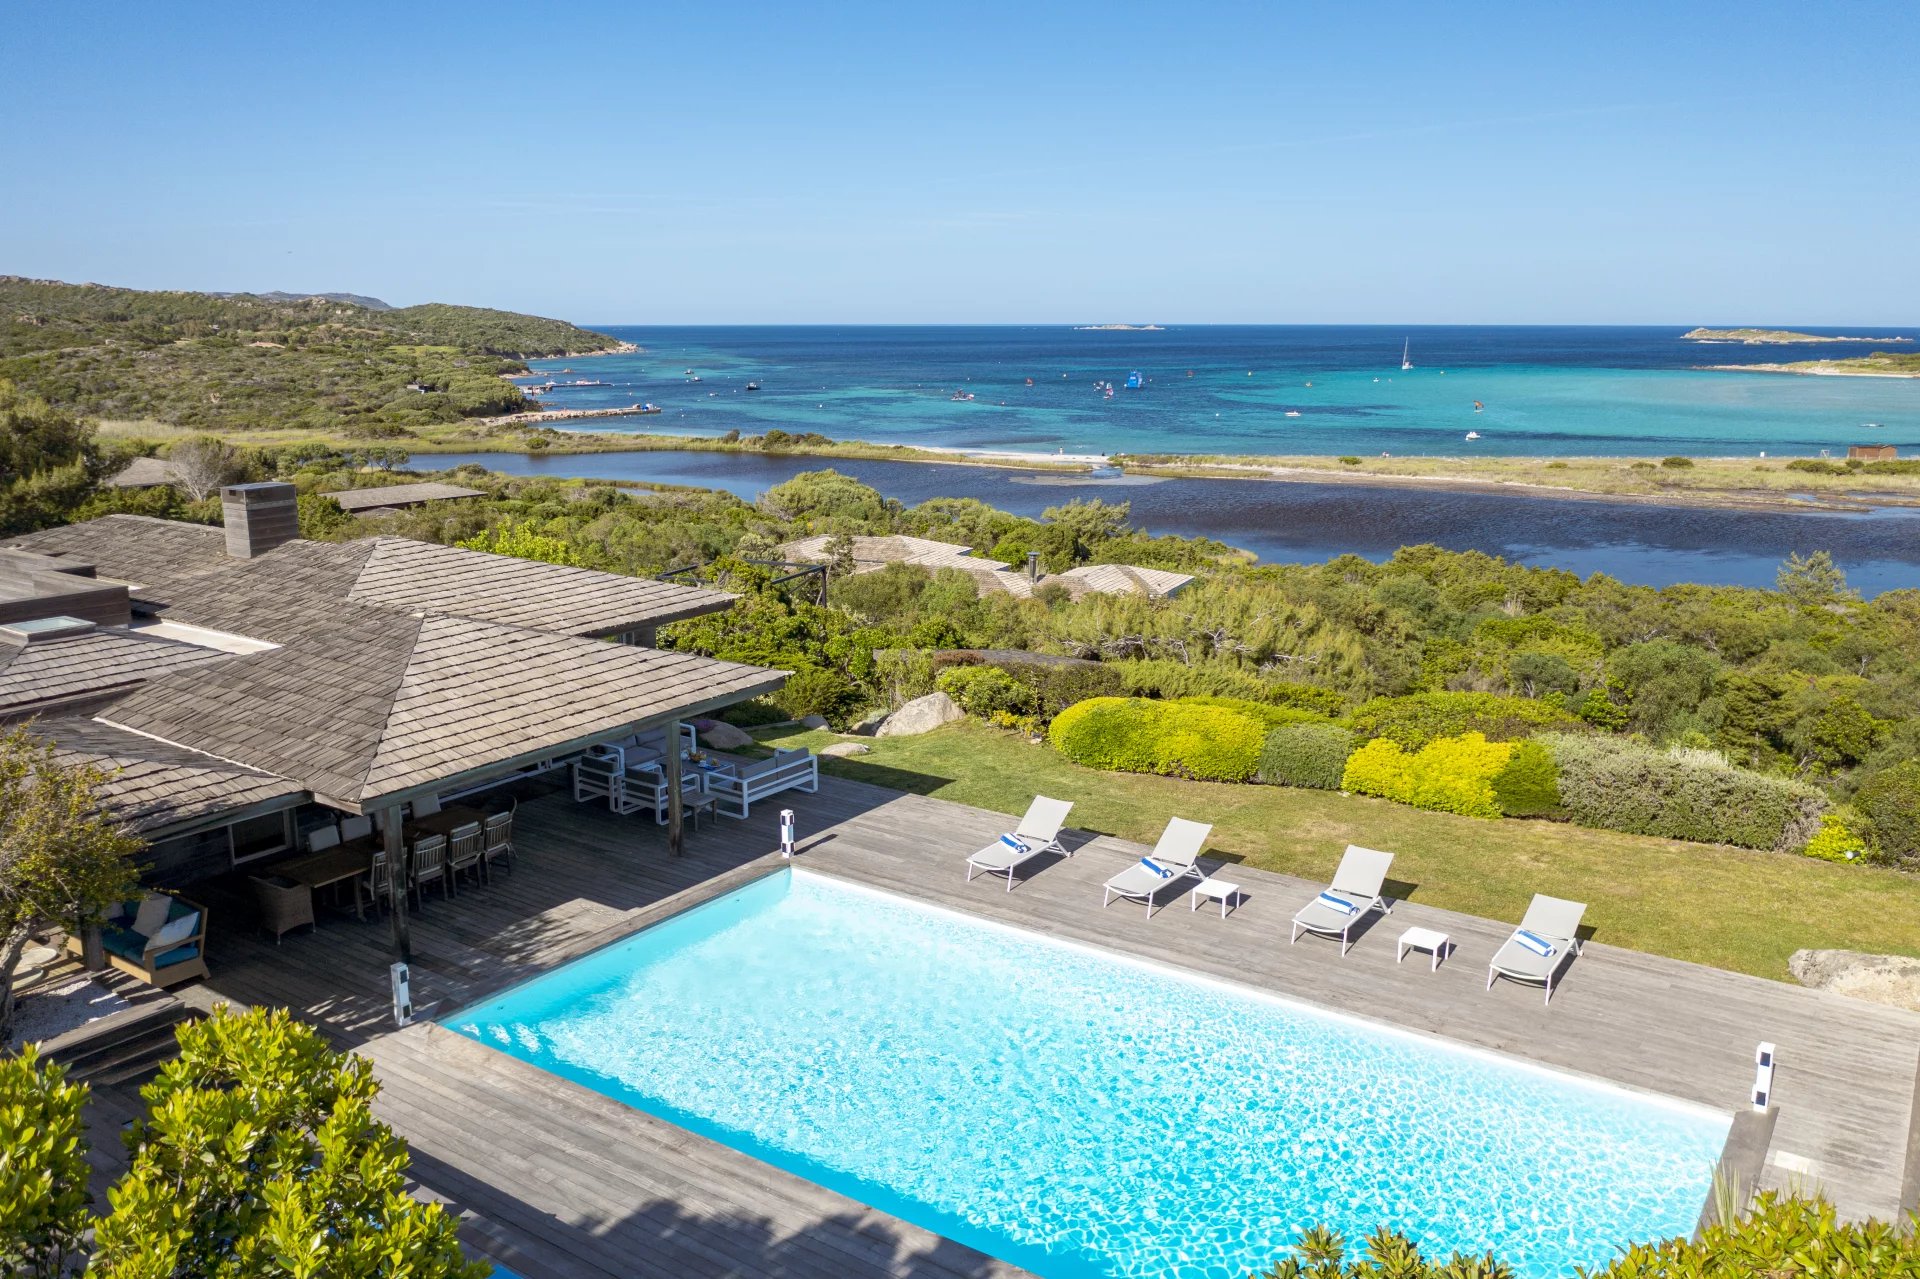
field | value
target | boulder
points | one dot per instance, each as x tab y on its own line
921	715
868	725
844	749
723	737
1882	979
813	721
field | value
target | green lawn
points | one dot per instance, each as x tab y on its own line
1728	907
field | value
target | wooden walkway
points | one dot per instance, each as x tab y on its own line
556	1182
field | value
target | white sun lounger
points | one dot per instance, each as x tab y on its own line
1175	857
1357	884
1552	921
1037	833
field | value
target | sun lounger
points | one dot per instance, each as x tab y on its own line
1175	857
1038	832
1355	890
1548	936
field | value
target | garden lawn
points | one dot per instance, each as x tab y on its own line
1707	903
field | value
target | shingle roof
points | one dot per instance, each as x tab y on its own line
46	672
394	495
871	553
183	573
152	785
1122	579
356	712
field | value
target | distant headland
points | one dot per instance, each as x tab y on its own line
1119	328
1771	337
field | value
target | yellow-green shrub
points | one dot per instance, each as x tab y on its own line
1448	774
1134	735
1836	840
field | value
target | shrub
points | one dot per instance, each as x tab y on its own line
1529	785
1696	795
1133	735
1161	677
1677	463
813	691
1447	775
986	691
1890	803
1349	461
1311	755
1058	686
1837	840
1269	715
1418	718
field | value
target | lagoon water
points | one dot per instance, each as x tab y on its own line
1548	391
1288	522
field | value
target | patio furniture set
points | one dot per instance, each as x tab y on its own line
631	777
1535	953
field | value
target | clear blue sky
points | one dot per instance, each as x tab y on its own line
712	162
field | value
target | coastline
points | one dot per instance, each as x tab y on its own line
1813	368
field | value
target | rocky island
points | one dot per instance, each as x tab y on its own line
1771	337
1119	328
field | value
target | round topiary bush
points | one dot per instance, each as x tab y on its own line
1529	785
1890	802
1447	775
1134	735
1309	755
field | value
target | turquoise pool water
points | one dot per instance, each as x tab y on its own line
1081	1114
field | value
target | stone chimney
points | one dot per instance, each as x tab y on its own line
259	517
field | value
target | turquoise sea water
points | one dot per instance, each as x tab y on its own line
1082	1114
1261	390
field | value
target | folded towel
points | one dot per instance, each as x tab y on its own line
1164	872
1015	844
1340	904
1535	943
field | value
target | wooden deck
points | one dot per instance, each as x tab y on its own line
557	1182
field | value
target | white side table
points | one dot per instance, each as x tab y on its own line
1218	890
1426	939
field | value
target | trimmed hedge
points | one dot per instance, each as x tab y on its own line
1695	795
1418	718
1134	735
1529	785
1310	755
1447	775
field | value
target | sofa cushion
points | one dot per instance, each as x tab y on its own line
154	912
178	955
175	931
123	942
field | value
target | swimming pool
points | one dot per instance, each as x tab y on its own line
1082	1114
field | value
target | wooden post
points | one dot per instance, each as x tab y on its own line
397	877
676	814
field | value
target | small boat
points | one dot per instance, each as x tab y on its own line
1029	381
1405	348
695	377
1478	406
1872	426
689	372
753	386
961	396
648	407
1293	412
1133	380
1108	393
1473	435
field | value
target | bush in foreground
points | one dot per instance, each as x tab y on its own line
1890	802
1780	1238
1309	755
1447	775
1837	840
1680	794
1417	719
1134	735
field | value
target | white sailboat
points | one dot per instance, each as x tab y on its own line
1405	347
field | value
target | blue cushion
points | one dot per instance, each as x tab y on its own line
178	955
123	942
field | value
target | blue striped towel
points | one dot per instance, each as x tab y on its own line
1015	844
1340	904
1535	943
1164	872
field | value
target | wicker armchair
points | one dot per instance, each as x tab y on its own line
285	904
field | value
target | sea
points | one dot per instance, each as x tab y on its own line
1328	390
1540	391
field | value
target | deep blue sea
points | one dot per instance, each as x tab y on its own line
1543	391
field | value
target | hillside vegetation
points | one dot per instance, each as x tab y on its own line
243	362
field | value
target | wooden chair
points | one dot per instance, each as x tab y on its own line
497	844
376	885
465	847
430	864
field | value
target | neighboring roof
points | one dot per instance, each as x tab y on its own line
872	553
372	707
57	669
144	473
397	495
152	786
182	572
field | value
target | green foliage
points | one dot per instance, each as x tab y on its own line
49	462
1680	794
260	1158
1417	719
1349	461
1269	715
828	499
1133	735
1814	580
43	1168
1169	679
1310	755
1677	463
321	517
1839	839
1890	803
1662	684
522	542
1447	774
986	691
1529	784
62	860
1321	1254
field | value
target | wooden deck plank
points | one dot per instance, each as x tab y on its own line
560	1182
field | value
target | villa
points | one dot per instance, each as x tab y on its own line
870	554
